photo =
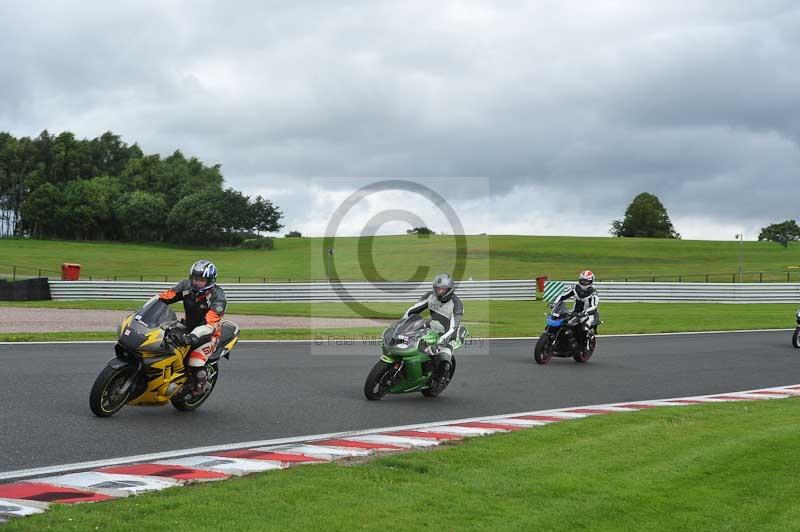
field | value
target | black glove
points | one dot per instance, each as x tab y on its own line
186	339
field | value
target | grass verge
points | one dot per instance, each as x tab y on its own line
720	467
399	257
484	318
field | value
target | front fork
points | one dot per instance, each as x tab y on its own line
554	336
116	363
394	374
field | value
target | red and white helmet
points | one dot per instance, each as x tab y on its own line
586	278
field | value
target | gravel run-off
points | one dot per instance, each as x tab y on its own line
35	320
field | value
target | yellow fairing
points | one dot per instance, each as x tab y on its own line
154	337
124	324
171	369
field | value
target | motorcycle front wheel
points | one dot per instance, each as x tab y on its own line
106	397
540	352
375	386
796	338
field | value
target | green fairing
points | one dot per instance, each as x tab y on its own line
413	376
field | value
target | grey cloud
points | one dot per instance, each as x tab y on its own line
693	102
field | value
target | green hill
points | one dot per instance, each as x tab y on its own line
399	257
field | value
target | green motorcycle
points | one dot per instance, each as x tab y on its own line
406	364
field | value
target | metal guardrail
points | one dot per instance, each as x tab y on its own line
696	292
294	292
495	290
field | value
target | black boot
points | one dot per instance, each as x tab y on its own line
588	334
200	381
443	371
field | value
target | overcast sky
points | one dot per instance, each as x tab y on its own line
527	117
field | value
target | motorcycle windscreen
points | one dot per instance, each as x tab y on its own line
405	329
154	313
560	309
413	325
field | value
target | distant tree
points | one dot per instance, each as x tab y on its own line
42	211
71	159
197	219
141	215
105	189
89	207
420	231
782	233
237	211
294	234
267	216
200	176
148	173
109	155
18	158
645	217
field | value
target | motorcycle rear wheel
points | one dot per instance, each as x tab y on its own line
104	398
436	390
584	356
796	338
187	402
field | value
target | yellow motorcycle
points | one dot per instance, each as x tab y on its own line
149	365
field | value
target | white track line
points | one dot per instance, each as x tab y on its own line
310	439
500	338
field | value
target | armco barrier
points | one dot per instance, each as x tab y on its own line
696	292
496	290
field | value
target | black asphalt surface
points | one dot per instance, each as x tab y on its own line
275	390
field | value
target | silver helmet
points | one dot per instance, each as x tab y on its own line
443	287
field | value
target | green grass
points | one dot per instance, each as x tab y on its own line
722	467
398	257
328	334
484	318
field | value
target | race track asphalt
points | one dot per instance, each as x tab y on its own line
274	390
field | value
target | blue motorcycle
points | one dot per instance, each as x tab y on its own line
566	335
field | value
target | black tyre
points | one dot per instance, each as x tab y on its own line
375	386
542	352
586	355
105	399
436	390
187	402
796	338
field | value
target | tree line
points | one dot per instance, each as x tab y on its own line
647	217
58	186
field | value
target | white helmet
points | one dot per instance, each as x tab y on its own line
585	282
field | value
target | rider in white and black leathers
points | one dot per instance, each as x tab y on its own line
447	309
586	300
